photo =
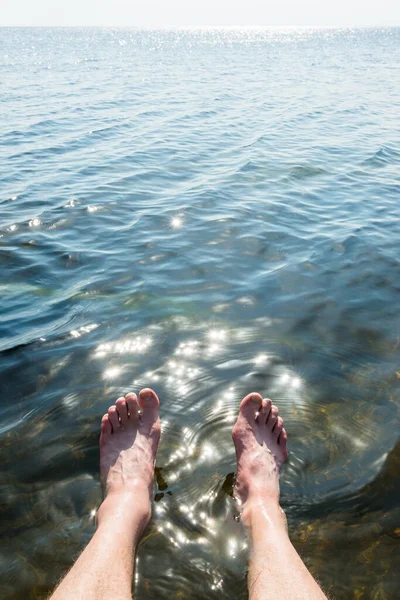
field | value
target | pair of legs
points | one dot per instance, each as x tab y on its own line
130	433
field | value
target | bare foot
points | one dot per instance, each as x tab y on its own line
128	445
260	443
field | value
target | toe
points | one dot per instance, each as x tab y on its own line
122	411
278	427
250	406
264	411
149	403
282	438
273	417
105	426
133	407
113	418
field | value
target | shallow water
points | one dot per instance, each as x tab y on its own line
207	213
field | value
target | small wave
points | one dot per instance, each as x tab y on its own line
301	172
382	157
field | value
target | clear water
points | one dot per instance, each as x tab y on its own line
207	213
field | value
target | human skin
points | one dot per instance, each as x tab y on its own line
128	446
130	433
276	571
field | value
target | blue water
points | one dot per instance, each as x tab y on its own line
205	212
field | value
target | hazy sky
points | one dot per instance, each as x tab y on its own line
149	13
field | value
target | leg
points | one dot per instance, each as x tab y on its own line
276	570
128	446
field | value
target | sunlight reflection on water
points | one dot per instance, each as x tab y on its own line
210	213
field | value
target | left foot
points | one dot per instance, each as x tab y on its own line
128	446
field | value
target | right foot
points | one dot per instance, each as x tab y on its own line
260	443
128	445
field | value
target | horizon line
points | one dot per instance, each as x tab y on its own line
180	27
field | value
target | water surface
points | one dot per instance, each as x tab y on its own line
207	213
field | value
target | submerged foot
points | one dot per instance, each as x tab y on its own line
260	443
130	433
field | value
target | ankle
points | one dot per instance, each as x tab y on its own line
263	509
133	511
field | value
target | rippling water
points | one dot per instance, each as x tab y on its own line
208	213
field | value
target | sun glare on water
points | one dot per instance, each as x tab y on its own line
176	222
